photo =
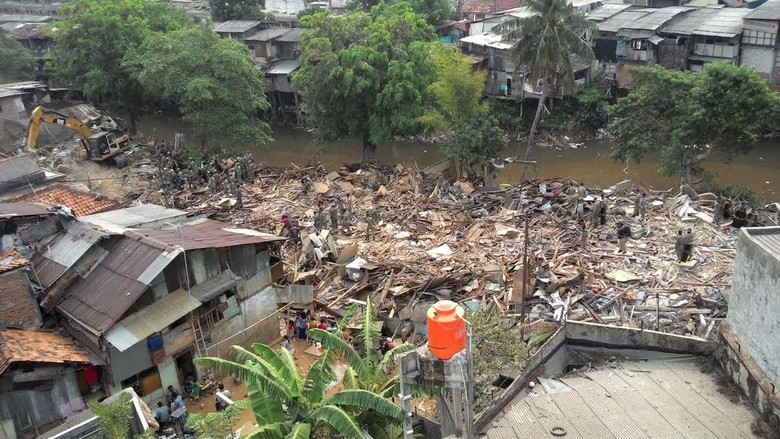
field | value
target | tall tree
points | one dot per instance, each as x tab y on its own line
18	62
213	80
473	134
687	117
544	42
366	74
222	10
434	10
96	36
288	404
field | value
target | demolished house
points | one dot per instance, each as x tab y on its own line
147	296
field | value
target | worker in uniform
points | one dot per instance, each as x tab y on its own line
678	245
334	217
687	246
717	211
640	204
371	220
623	233
306	183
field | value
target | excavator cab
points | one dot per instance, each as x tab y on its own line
102	144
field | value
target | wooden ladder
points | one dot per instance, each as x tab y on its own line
200	338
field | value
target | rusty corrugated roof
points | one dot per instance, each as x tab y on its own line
206	233
56	258
99	300
15	210
80	202
25	346
10	259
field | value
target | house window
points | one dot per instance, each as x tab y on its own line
144	383
758	38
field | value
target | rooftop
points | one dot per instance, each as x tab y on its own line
19	168
726	23
80	202
10	259
490	6
267	34
16	210
137	216
606	11
619	20
206	233
487	40
236	26
24	346
284	67
293	36
666	397
655	18
768	11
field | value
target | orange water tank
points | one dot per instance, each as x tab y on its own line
446	329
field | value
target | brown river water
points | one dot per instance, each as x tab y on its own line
760	169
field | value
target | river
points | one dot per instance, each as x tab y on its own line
760	169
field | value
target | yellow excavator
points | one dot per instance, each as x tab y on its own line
100	145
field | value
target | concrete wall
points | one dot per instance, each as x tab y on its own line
754	302
255	324
761	58
592	334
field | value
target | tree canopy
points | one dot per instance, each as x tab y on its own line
18	62
96	36
686	117
212	80
434	10
473	134
222	10
544	43
366	73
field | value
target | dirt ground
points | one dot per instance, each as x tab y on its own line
246	423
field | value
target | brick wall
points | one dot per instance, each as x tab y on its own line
17	305
762	59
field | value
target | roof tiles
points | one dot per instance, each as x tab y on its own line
80	202
24	346
10	259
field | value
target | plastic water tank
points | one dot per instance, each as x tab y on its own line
446	329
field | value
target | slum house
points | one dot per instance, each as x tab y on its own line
474	10
261	45
702	36
287	7
283	93
451	31
45	377
48	10
288	45
147	313
610	19
761	41
14	217
34	36
637	40
237	29
19	171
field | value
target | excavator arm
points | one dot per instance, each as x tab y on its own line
42	115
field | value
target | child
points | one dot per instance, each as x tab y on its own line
288	345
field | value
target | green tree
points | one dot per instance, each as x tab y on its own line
434	10
114	417
544	43
287	404
91	44
366	74
217	424
18	62
213	80
473	134
686	117
222	10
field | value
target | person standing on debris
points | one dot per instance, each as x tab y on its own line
319	217
286	225
740	216
727	210
579	212
582	191
302	323
239	199
334	217
623	233
599	214
717	211
306	183
640	204
583	233
370	225
678	245
687	248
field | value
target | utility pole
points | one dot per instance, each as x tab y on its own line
525	278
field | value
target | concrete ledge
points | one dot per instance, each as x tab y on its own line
533	368
620	337
743	370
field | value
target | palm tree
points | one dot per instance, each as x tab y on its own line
545	42
287	404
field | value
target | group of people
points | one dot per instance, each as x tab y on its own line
175	173
193	389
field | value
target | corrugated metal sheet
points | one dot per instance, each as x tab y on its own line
18	167
44	229
206	233
766	237
267	34
606	11
726	23
100	299
235	26
617	21
655	19
768	11
154	318
295	294
215	286
686	24
15	210
45	406
56	258
135	216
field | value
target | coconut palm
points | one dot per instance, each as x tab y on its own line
287	404
545	42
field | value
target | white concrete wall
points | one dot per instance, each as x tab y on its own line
762	59
253	310
754	304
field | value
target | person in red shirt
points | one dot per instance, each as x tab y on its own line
323	324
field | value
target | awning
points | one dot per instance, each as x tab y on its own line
215	286
154	318
655	39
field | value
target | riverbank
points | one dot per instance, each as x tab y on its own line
591	165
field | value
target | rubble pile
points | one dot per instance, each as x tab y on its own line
433	240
